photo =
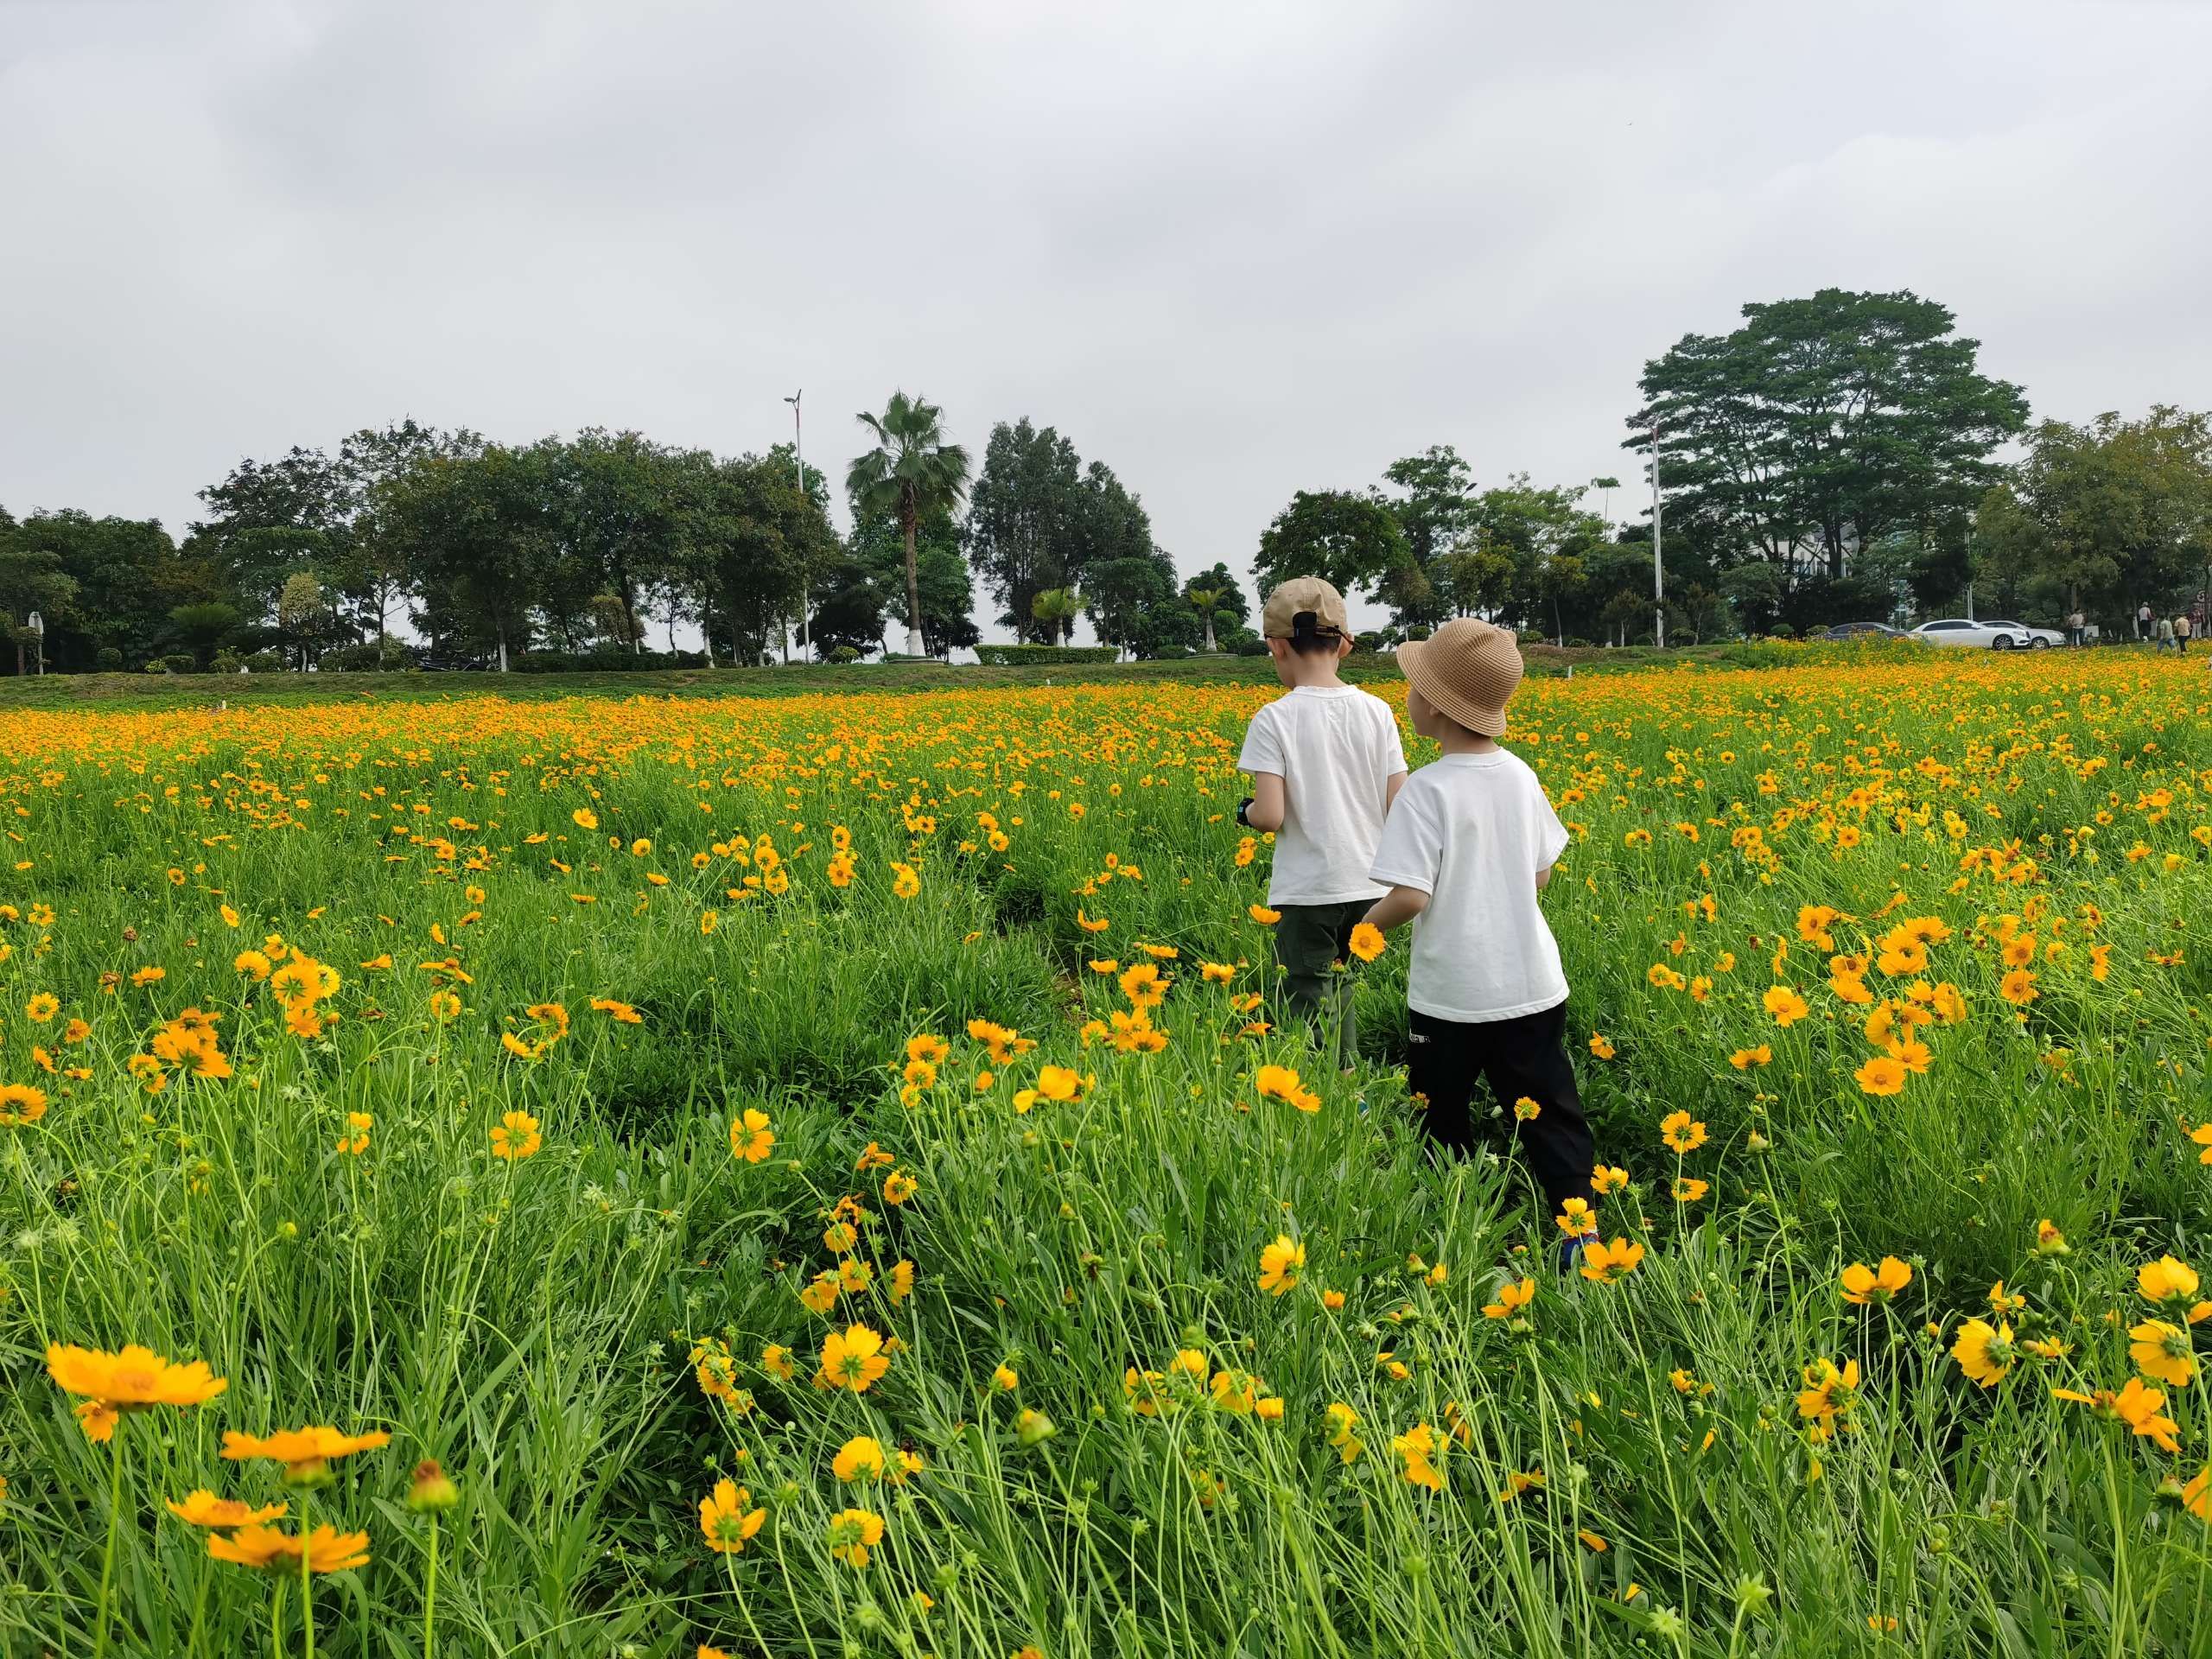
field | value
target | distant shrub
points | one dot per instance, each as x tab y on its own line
177	661
370	656
108	660
1782	630
225	662
264	662
844	654
1034	656
606	659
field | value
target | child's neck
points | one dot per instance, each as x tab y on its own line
1458	740
1307	672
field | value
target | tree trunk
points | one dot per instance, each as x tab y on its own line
1209	644
503	645
906	523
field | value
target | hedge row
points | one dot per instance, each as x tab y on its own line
1031	656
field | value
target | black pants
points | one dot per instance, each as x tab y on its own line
1523	1057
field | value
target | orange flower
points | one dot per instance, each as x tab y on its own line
133	1379
327	1549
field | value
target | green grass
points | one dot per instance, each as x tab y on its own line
533	1325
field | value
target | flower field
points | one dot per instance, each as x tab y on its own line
818	1177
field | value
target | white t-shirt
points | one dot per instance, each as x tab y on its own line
1472	831
1336	749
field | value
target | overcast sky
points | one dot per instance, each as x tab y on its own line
1231	250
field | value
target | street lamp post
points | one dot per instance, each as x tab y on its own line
798	460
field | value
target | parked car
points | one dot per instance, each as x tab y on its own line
1864	631
1964	631
2037	638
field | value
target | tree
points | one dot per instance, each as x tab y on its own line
124	576
1437	513
753	543
1055	610
2104	516
1821	426
368	566
479	540
270	519
1205	601
304	613
1135	604
31	579
1039	519
948	594
1353	541
205	626
911	473
848	609
1755	591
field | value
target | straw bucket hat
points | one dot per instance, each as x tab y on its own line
1466	669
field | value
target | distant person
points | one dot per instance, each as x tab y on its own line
1470	839
2075	622
1326	762
2165	634
2142	624
2180	634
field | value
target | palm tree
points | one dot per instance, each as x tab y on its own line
913	473
1057	608
1204	599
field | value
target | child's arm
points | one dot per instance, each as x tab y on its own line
1397	907
1266	813
1391	786
1543	878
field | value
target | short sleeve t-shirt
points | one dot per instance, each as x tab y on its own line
1472	831
1336	749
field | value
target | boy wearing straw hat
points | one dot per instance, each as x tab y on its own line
1325	761
1470	840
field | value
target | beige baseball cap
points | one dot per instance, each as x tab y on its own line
1466	669
1297	596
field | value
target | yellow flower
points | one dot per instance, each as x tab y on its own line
1985	1355
1416	1449
853	1533
1682	1132
1785	1005
355	1140
1262	915
327	1549
2161	1350
1607	1178
305	1452
584	818
42	1006
859	1458
1745	1058
1862	1284
1881	1075
1006	1379
203	1509
1609	1263
1367	941
1512	1296
20	1104
516	1137
132	1379
724	1520
2166	1280
854	1358
899	1186
750	1136
1599	1046
1280	1263
1576	1219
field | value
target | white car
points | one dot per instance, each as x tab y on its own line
2037	638
1964	631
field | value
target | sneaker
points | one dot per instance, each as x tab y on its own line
1570	1254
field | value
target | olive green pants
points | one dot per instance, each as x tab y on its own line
1311	942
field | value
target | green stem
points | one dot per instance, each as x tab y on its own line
430	1589
114	1528
199	1610
277	1621
307	1586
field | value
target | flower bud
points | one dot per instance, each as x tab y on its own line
432	1490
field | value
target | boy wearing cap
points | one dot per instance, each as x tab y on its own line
1470	841
1326	763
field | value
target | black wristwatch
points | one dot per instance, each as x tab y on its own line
1242	807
